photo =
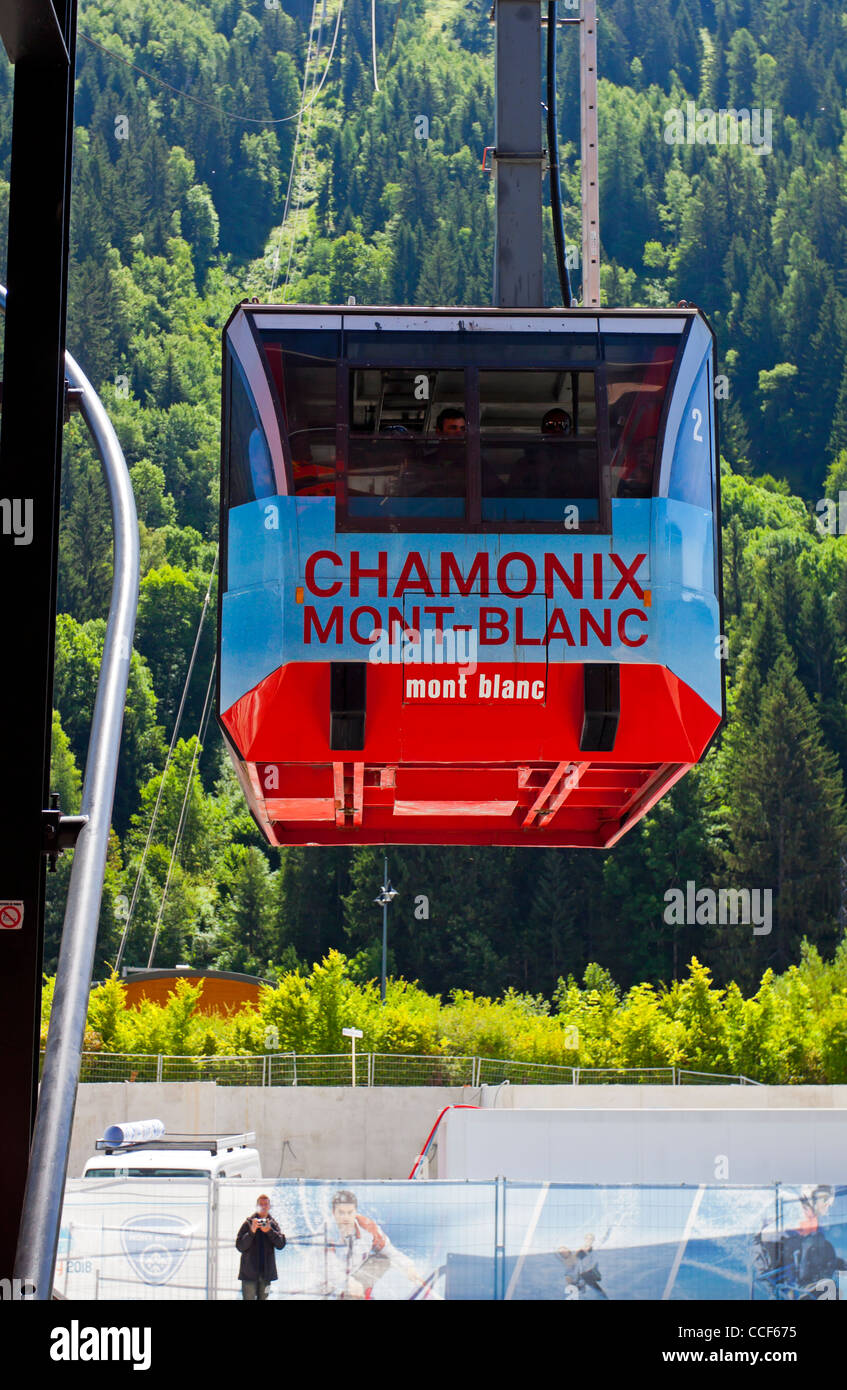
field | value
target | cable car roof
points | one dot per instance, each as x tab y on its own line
463	319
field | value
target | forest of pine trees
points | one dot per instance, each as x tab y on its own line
178	205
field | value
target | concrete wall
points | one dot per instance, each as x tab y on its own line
301	1132
338	1132
662	1097
644	1146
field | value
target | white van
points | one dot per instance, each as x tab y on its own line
177	1156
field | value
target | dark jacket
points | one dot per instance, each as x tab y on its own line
258	1260
818	1259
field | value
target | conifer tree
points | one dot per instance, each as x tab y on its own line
787	819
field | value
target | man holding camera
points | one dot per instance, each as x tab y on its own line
258	1239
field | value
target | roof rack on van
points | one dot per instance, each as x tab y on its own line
211	1143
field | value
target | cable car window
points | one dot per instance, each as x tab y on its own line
309	342
305	387
691	470
638	370
407	449
538	444
249	468
474	348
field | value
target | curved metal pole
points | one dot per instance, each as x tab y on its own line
39	1232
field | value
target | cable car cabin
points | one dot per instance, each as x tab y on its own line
470	570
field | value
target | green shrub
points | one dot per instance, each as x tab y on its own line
792	1030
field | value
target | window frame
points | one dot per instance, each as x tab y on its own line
473	520
325	362
450	357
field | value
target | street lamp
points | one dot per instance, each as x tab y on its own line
386	893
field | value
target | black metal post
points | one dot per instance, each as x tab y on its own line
386	893
41	40
385	902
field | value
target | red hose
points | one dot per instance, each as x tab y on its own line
434	1128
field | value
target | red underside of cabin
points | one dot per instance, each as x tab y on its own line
466	769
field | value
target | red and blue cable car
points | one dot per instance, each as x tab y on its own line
470	577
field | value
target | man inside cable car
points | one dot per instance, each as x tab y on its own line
440	472
543	470
399	465
451	423
556	422
538	471
563	471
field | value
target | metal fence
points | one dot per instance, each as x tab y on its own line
175	1239
380	1069
703	1078
491	1071
625	1076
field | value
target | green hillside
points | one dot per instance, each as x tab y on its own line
188	137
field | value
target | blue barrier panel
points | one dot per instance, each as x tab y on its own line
373	1240
176	1239
135	1239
